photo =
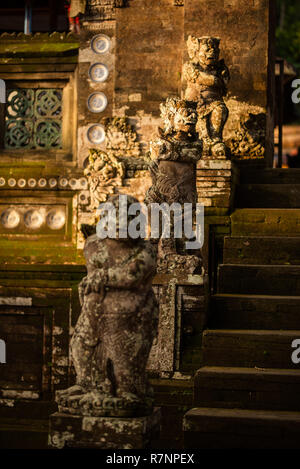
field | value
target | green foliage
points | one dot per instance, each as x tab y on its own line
288	31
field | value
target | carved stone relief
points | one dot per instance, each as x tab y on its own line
121	137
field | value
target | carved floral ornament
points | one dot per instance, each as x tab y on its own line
121	137
104	173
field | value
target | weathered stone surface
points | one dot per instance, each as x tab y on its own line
211	428
182	316
247	388
216	180
268	250
268	195
259	279
265	222
244	311
74	431
249	348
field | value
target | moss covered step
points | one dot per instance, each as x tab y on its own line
249	348
270	176
259	279
213	428
247	388
268	195
261	250
255	312
265	222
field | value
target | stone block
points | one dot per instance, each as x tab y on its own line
77	431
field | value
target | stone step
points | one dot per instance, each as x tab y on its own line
265	222
214	428
259	279
254	312
247	388
270	176
249	348
267	195
269	250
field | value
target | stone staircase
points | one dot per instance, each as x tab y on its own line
247	393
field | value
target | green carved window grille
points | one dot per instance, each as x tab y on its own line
33	119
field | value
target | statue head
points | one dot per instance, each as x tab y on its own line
204	50
178	116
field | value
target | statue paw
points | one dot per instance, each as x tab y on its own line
63	395
218	149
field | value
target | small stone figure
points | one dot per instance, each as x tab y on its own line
207	78
115	330
172	169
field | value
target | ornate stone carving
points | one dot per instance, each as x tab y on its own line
207	78
250	138
114	333
173	156
178	3
104	173
121	138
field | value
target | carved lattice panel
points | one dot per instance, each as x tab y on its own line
33	119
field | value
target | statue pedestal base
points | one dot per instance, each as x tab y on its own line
182	316
77	431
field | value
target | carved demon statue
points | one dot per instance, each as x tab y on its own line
207	78
172	170
116	327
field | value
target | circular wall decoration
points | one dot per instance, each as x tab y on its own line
96	134
42	182
10	218
31	182
73	183
63	182
22	182
100	44
2	182
11	182
56	219
33	219
97	102
98	72
52	182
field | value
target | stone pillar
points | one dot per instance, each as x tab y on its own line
180	276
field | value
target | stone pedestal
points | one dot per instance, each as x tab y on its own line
77	431
182	316
216	180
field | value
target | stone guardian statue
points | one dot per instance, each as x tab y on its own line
207	78
116	327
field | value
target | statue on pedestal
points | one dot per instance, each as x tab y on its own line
172	169
115	330
207	78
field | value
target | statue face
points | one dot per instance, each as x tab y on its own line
208	53
184	120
